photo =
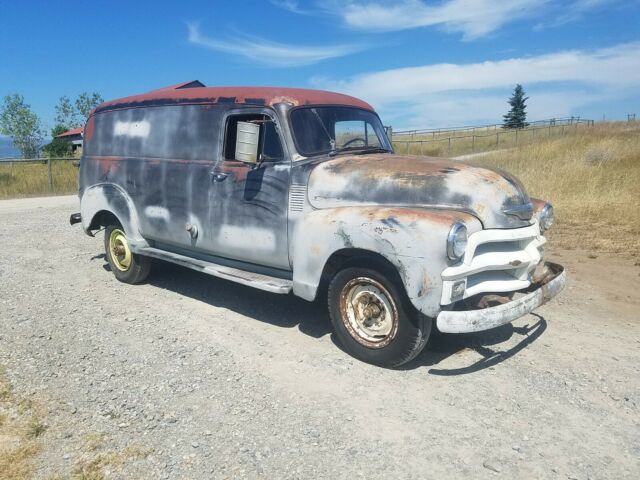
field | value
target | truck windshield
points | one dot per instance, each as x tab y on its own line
331	130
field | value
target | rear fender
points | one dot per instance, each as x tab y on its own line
108	197
413	240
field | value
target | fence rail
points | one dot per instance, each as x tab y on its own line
494	126
484	140
42	160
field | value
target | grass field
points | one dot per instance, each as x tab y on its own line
454	143
31	179
592	177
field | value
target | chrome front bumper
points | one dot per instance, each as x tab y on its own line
465	321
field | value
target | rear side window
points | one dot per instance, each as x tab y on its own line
172	132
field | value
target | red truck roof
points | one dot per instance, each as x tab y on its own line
194	92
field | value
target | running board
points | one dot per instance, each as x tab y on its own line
256	280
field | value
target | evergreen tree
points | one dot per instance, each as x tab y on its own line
516	117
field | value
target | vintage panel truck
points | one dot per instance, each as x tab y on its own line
300	191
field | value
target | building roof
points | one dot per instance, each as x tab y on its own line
73	131
194	92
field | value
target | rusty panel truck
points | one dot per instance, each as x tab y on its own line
299	192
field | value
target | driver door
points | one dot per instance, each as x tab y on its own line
249	214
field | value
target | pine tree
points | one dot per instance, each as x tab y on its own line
516	117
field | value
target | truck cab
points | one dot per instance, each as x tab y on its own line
299	192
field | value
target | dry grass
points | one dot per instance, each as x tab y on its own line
100	465
451	144
20	427
593	179
31	179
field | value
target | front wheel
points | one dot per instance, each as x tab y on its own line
127	266
373	318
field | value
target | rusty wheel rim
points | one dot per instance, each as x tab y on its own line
369	312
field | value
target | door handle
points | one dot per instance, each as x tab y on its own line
219	176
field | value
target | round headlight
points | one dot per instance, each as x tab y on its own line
546	217
457	241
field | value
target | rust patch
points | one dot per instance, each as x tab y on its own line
538	205
424	288
237	169
284	99
88	131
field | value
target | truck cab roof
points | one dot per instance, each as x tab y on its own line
195	92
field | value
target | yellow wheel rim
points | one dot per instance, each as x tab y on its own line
119	250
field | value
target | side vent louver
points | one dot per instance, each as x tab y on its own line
297	194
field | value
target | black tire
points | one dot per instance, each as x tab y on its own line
138	266
409	330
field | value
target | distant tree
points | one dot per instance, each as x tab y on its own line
19	122
87	102
75	114
59	147
66	114
516	117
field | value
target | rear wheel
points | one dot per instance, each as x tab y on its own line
127	266
374	320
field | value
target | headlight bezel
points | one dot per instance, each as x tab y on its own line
546	217
458	235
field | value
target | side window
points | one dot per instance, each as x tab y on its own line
270	145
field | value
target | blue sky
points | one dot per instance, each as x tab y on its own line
420	63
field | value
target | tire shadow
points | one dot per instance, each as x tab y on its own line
286	311
441	346
312	318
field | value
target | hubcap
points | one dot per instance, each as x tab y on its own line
119	249
369	312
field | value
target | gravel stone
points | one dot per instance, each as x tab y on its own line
215	380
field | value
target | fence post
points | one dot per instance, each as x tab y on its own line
421	145
449	151
516	137
497	133
473	143
50	174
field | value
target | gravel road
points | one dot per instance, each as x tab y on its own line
215	380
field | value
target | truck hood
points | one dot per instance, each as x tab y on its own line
427	182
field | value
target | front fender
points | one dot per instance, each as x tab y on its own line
411	239
111	198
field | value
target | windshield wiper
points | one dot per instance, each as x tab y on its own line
369	149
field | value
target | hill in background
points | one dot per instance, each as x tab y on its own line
7	149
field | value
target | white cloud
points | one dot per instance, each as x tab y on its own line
292	6
472	18
576	10
266	52
444	94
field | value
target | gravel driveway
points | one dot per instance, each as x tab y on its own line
215	380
